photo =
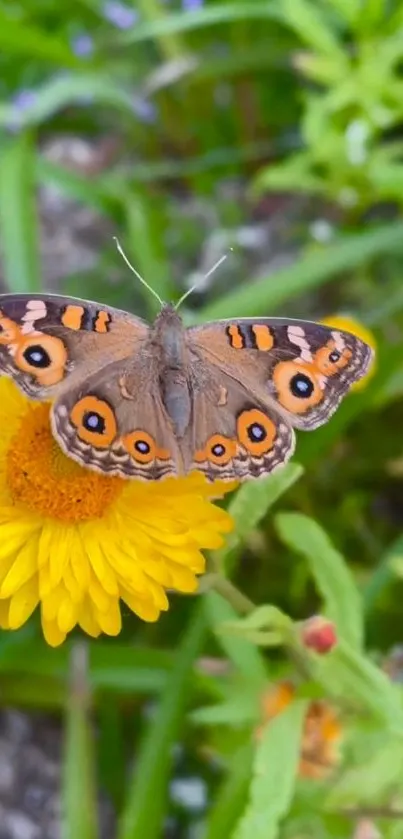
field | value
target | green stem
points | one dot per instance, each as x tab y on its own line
231	593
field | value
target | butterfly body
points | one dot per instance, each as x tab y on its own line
150	402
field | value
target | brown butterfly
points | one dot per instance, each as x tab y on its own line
150	402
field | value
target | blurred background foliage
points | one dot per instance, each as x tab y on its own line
272	128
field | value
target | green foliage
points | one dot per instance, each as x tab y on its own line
298	98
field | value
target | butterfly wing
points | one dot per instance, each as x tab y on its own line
304	368
88	360
261	378
49	340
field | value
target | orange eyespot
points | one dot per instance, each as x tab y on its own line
142	447
218	450
256	432
329	360
95	421
10	333
43	356
296	385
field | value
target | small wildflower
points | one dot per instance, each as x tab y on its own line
77	542
356	328
192	5
120	15
82	45
318	634
322	734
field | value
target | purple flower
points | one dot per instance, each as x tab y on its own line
192	5
82	45
122	16
145	110
21	101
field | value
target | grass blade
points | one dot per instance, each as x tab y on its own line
309	272
208	16
146	799
79	772
231	796
18	216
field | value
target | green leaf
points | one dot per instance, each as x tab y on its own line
208	16
311	271
389	565
354	680
18	216
146	799
249	506
266	625
245	656
368	783
231	796
79	766
60	92
333	578
310	25
274	773
34	43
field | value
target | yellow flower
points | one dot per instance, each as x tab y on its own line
322	734
77	542
356	328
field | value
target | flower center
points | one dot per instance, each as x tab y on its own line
42	478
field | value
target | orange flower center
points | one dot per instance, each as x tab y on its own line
42	478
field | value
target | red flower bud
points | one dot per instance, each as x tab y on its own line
318	634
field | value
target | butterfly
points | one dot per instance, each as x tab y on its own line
152	401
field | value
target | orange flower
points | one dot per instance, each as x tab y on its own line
322	735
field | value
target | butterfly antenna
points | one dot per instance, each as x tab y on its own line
201	279
136	273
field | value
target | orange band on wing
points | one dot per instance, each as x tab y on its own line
263	337
102	321
73	316
236	338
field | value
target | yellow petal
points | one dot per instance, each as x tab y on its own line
110	621
145	609
67	615
22	569
53	635
23	603
102	569
87	621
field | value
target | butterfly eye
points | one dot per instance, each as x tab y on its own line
44	356
256	432
296	385
94	421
